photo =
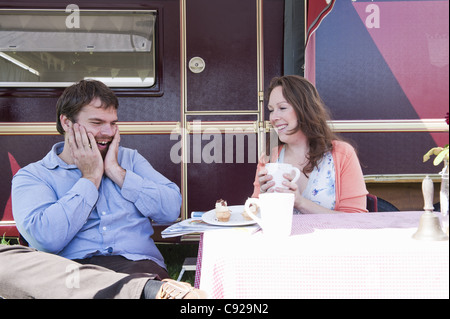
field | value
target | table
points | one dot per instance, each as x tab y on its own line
368	255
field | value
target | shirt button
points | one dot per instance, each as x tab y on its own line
103	213
104	227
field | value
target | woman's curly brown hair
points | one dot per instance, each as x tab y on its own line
312	116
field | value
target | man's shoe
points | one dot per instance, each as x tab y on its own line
172	289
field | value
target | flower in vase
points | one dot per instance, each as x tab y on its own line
441	153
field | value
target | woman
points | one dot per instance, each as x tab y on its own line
331	179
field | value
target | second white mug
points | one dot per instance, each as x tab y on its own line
276	213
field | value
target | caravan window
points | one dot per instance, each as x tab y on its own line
55	48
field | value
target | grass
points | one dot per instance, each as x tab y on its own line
3	241
9	240
174	255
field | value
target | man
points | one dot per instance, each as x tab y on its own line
89	199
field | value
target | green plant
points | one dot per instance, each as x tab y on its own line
441	154
4	241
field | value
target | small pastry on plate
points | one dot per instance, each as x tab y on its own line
223	214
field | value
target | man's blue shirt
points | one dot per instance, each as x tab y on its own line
58	211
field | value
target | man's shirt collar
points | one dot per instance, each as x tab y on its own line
52	160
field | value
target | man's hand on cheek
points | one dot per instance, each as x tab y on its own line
85	153
112	168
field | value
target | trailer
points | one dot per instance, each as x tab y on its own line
190	76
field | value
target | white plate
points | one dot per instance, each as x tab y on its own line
236	218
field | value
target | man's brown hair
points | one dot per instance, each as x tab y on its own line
80	94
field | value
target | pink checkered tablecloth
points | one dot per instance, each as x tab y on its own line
327	256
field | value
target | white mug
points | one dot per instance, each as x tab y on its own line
278	169
276	213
